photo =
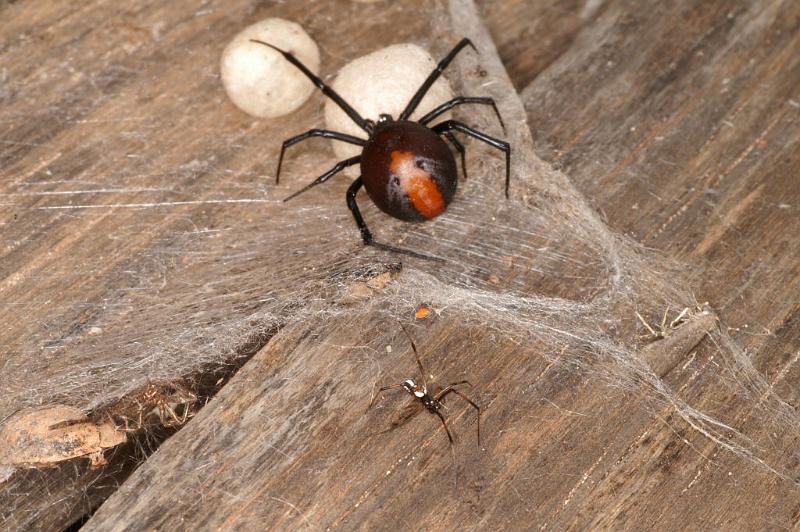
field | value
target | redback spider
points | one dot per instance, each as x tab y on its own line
406	168
430	399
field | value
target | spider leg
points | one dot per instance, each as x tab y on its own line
166	412
184	415
452	449
379	392
315	133
432	77
326	90
341	165
140	414
416	355
458	100
366	235
444	391
460	148
450	125
403	416
173	415
444	423
124	420
451	389
163	415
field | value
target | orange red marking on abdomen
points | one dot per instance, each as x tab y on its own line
417	184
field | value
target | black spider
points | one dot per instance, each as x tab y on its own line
430	399
406	168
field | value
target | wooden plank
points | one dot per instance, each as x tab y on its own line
173	287
532	35
679	121
322	377
142	238
127	263
300	431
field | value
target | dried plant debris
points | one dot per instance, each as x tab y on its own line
369	282
46	436
666	326
678	337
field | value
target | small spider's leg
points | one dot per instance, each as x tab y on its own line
451	389
366	235
113	422
341	165
444	423
380	432
680	319
140	414
176	421
163	415
403	416
664	320
458	100
184	417
450	125
460	148
315	133
452	449
442	393
124	420
379	392
646	325
416	355
326	90
187	413
432	77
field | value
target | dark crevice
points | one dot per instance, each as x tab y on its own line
82	520
145	438
149	426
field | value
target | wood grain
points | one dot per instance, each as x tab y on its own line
546	485
142	241
136	215
679	122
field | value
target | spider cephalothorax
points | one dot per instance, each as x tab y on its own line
407	169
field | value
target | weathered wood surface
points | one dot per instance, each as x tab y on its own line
165	268
629	469
144	240
680	121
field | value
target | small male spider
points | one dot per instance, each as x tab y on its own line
430	399
406	168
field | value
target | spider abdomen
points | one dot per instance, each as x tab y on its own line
408	171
